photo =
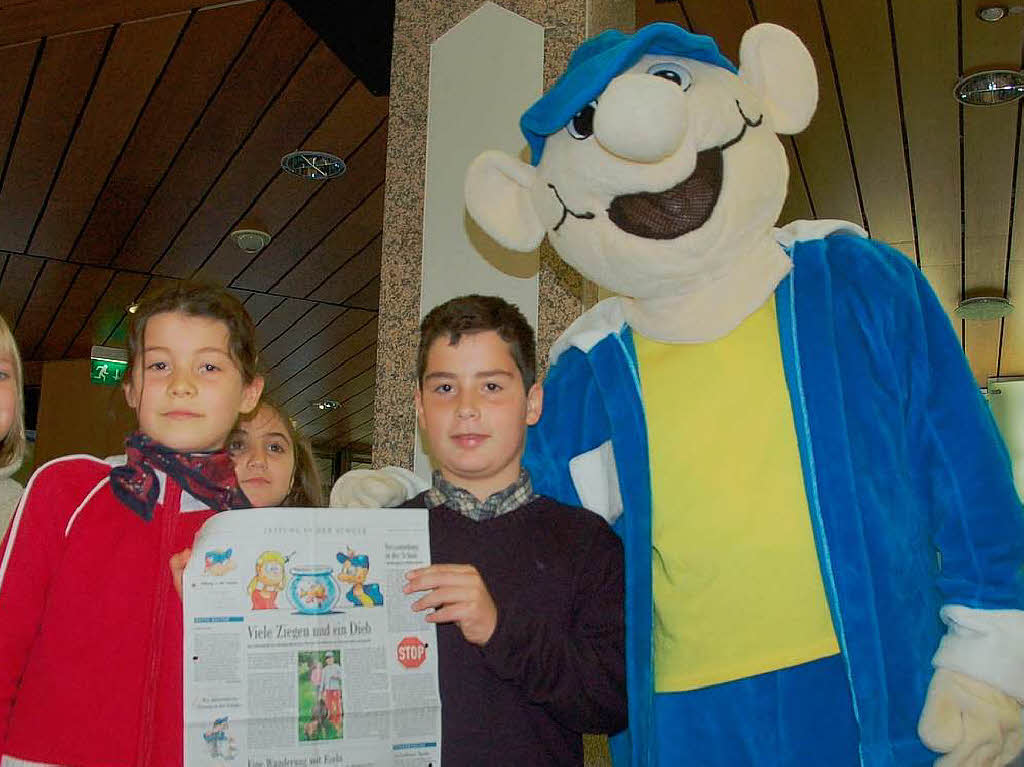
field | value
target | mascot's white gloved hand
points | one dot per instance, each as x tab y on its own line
971	722
376	488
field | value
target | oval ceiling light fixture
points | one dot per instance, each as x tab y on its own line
984	308
991	13
250	240
989	87
316	166
326	404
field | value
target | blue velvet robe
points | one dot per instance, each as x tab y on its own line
908	482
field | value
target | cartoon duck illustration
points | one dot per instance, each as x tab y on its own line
219	740
354	569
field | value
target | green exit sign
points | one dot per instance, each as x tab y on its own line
108	365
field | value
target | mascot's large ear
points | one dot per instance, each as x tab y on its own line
777	65
498	199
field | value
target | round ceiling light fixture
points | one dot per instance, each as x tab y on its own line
250	240
316	166
989	87
984	308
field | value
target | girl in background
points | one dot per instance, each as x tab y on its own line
91	619
12	424
274	462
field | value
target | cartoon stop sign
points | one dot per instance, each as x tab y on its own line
411	652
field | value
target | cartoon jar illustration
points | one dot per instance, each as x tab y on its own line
312	589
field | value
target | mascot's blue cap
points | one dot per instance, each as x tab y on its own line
594	64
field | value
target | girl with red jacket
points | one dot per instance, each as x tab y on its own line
91	623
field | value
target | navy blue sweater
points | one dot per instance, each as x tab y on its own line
554	667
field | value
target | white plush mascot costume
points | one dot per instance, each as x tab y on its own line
823	541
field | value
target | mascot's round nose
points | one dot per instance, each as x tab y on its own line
641	117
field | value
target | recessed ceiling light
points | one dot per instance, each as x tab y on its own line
991	12
984	308
316	166
990	87
327	404
132	308
250	240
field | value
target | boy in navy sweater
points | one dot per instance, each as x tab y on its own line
527	593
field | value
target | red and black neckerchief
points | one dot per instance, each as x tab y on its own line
209	477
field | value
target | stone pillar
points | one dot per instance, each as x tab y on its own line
562	292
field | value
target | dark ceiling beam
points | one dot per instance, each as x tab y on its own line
31	19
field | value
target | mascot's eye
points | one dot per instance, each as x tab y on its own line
672	72
582	123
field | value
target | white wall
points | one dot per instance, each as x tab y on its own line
1006	398
484	73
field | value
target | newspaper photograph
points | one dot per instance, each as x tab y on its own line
300	647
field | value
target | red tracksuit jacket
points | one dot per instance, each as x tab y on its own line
90	624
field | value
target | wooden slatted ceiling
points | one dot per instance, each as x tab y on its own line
16	62
318	217
136	57
130	150
321	376
989	137
89	285
309	94
345	129
932	121
19	276
210	42
890	149
251	84
64	75
30	19
350	329
1011	349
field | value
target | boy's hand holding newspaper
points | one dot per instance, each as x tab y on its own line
458	595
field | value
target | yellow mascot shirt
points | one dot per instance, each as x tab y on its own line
737	586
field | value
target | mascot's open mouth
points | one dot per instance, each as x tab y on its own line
686	206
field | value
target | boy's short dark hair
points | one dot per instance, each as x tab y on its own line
476	314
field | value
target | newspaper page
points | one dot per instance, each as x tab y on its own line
301	649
